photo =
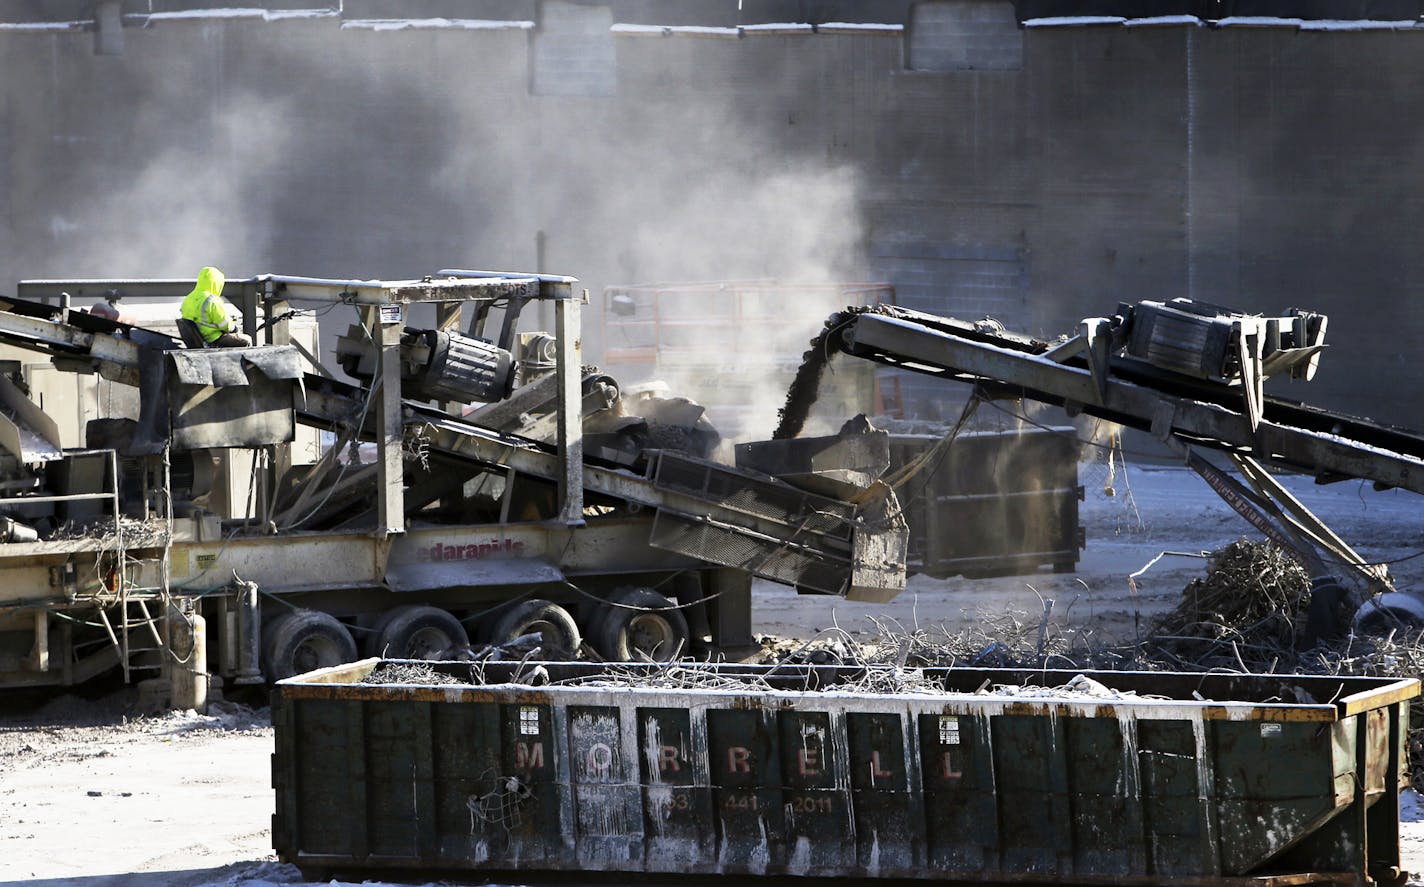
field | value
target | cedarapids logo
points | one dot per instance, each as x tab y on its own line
472	552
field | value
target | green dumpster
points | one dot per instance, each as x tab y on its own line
965	775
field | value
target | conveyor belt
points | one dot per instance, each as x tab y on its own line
1324	443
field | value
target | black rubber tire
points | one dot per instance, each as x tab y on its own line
416	631
369	639
639	623
561	638
302	641
1377	621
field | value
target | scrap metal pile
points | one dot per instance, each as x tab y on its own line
1246	606
1243	615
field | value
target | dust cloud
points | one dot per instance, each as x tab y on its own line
302	148
194	203
794	230
728	242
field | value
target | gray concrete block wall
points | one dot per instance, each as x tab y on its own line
1308	195
513	10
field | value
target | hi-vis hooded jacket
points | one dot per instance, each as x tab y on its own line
205	306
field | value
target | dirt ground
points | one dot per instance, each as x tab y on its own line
91	796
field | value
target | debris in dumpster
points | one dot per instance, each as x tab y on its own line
867	680
404	672
1241	617
412	672
1078	687
667	676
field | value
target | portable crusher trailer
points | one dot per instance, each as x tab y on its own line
548	508
420	528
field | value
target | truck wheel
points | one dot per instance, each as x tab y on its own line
561	638
302	641
640	624
1398	612
417	632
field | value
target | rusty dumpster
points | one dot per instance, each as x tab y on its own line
955	774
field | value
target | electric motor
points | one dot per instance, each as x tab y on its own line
465	369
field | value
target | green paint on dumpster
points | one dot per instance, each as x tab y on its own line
746	795
678	809
888	826
472	802
1179	822
814	804
960	810
1214	781
606	804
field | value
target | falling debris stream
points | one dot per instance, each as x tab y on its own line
801	394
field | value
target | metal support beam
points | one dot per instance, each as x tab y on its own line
279	327
454	287
52	291
447	319
448	316
279	332
385	327
1267	515
248	622
1270	508
569	371
112	357
730	597
1258	511
39	655
247	303
1306	522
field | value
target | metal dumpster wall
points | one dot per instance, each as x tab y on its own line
952	786
996	504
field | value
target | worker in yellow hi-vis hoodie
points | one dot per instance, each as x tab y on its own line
205	307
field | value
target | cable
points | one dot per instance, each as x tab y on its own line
935	454
1059	431
615	604
360	423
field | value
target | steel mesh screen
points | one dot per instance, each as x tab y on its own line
764	558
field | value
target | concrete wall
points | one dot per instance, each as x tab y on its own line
1260	168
